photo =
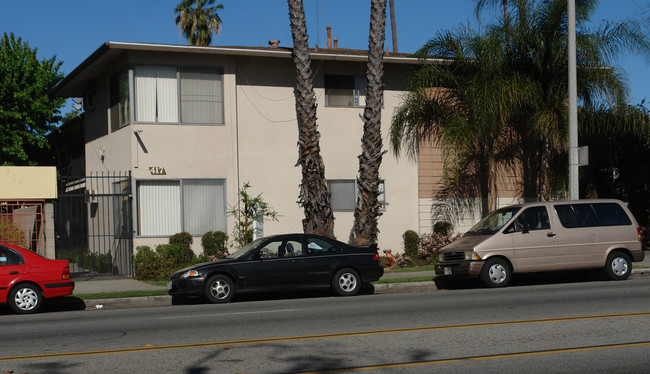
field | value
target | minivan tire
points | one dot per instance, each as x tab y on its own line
496	272
618	266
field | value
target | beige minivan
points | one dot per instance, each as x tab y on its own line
545	236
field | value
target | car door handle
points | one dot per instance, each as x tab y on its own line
550	234
13	272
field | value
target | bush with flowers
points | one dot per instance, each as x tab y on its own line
428	247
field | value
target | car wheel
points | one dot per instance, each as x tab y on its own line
346	282
219	289
496	273
618	266
25	299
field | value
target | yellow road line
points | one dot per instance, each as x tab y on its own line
321	336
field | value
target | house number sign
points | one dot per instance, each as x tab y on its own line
157	170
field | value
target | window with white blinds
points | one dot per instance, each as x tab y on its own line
168	207
344	194
167	94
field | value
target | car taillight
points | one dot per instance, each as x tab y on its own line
638	233
66	273
375	257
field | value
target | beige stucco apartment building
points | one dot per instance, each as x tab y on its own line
193	124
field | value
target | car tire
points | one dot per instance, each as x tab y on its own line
496	273
25	299
618	266
219	289
346	282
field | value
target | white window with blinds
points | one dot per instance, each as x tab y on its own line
345	90
168	207
344	194
168	94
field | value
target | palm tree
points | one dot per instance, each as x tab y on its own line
198	20
314	196
460	105
367	210
522	64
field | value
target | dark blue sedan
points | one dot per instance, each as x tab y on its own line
288	262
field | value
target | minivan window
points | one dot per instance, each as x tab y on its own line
591	215
531	219
494	221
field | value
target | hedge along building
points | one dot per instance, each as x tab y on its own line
192	125
26	207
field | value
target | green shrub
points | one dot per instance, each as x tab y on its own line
214	244
427	254
442	227
92	261
184	240
411	243
160	263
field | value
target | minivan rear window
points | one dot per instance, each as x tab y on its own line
591	215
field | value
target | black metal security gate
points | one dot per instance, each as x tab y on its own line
93	224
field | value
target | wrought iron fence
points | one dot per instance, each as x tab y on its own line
93	224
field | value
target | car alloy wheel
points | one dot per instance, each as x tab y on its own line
346	282
219	289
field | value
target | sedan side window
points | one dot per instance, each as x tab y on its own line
279	249
9	257
315	246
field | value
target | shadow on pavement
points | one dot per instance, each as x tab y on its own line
57	304
366	289
532	279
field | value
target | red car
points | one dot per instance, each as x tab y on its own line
27	278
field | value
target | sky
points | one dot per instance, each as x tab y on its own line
73	29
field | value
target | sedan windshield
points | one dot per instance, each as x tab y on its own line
243	251
494	221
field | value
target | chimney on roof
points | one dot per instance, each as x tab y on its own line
274	43
329	37
336	42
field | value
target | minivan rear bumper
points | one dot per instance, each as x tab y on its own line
459	269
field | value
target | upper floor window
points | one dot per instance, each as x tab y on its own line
178	95
345	90
119	100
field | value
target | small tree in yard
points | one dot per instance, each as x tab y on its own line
250	209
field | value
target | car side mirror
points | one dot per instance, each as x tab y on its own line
525	228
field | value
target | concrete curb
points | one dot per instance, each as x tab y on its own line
382	288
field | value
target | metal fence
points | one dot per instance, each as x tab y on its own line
93	221
23	223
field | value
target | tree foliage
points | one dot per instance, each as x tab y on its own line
501	94
27	113
198	21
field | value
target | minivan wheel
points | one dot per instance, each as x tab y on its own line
25	299
346	282
219	289
496	273
618	266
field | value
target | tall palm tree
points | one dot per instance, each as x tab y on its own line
314	196
367	210
198	20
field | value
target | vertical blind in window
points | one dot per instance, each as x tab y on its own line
159	208
201	96
203	206
156	94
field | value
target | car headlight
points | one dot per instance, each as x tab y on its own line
190	274
471	255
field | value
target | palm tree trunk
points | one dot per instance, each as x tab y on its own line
314	196
367	210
